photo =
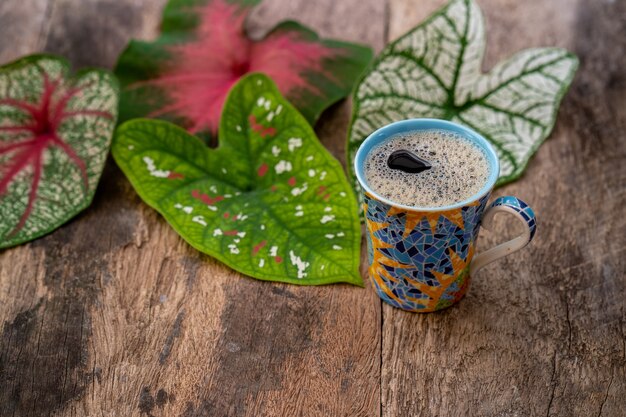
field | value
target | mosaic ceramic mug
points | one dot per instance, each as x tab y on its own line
421	259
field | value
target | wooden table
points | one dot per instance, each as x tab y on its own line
114	315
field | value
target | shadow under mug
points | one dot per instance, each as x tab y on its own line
421	259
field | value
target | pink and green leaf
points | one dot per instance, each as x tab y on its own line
55	133
185	75
270	201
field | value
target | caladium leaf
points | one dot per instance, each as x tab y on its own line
434	71
270	201
55	133
185	75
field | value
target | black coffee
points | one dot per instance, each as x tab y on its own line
397	168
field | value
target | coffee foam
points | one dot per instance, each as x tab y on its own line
459	169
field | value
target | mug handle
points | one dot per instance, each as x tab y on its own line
523	213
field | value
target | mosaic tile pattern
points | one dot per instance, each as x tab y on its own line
419	261
520	207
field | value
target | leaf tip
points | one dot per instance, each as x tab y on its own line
356	279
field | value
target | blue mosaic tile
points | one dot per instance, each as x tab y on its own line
427	251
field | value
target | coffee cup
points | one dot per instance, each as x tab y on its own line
421	259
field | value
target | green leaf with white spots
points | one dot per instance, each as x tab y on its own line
269	201
434	72
55	133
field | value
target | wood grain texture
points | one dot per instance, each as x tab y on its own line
541	333
114	315
24	28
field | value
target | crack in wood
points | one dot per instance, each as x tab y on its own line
45	23
380	370
553	384
386	21
569	325
606	395
171	337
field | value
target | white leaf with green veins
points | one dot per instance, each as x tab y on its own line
434	72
